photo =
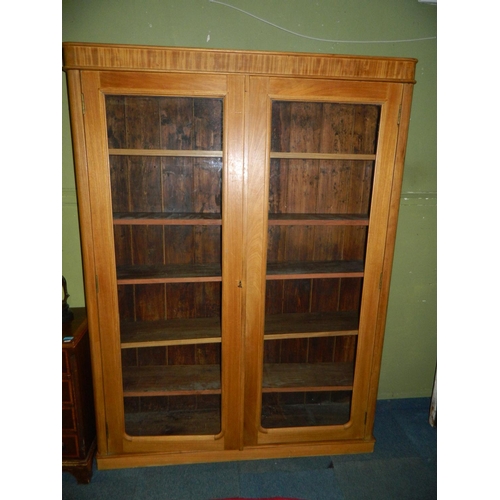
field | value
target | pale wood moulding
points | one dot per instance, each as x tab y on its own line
90	56
166	152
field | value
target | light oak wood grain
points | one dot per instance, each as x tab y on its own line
238	212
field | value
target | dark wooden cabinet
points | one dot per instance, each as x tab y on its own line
78	419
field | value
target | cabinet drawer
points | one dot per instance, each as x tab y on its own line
67	392
70	446
68	419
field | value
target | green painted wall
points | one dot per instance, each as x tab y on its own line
323	26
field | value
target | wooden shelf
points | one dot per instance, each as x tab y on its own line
305	377
301	270
174	273
176	380
166	152
181	380
208	330
304	415
318	219
286	155
189	273
170	332
163	219
283	326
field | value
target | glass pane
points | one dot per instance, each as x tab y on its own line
302	409
322	163
166	185
324	127
173	415
309	186
175	123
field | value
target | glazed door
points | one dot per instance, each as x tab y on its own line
320	157
166	196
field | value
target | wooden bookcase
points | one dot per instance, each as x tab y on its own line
238	213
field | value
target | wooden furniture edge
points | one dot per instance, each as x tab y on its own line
249	453
93	56
86	236
81	469
389	256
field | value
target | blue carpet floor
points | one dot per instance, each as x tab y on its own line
403	466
